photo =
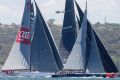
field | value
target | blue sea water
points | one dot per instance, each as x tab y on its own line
43	78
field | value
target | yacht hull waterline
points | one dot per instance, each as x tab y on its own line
98	75
28	74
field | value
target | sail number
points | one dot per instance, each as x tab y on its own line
23	36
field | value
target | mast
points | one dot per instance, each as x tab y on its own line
32	24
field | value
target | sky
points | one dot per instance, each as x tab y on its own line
11	11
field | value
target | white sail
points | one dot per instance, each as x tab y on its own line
76	60
15	60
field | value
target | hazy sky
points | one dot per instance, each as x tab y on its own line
12	10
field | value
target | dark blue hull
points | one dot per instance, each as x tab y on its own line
85	75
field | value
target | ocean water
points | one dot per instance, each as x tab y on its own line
48	78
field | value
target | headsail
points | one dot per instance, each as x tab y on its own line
19	56
69	32
44	54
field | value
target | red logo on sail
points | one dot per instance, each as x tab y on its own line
23	36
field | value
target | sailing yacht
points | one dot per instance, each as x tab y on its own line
88	56
34	52
106	59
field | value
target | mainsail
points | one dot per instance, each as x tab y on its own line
18	58
69	32
107	62
44	54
